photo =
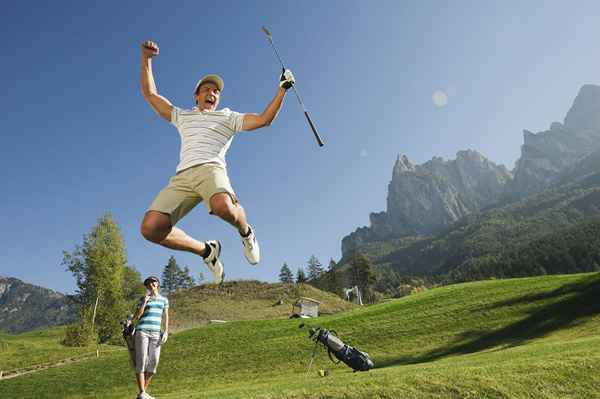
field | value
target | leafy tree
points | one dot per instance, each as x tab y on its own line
285	274
315	269
133	287
300	276
99	267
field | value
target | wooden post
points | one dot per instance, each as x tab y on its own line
94	321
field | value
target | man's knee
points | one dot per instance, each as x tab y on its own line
155	226
222	206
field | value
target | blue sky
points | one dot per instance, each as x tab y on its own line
79	140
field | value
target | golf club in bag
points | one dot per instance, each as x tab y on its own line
352	357
310	122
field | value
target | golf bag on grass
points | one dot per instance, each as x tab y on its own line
129	337
352	357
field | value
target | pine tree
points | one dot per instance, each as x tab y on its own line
175	278
334	278
315	269
169	276
362	275
99	267
184	278
201	278
285	275
300	276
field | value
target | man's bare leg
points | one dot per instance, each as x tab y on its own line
156	227
223	207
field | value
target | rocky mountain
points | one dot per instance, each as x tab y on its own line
26	307
423	199
547	155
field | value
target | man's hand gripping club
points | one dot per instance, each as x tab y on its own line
287	79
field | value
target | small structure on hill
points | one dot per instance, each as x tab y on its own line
305	307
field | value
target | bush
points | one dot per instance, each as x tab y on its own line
79	335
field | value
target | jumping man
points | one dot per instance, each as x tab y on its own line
201	176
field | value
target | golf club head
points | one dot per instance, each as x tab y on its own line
267	32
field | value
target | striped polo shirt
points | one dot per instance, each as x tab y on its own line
205	135
152	316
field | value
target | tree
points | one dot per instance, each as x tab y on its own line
315	269
175	278
334	279
133	287
285	274
99	267
300	276
169	276
363	276
184	278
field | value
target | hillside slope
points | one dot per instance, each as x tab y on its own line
521	338
245	300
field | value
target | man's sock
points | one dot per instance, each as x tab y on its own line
207	250
248	233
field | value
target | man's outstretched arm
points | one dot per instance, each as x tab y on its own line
161	105
255	121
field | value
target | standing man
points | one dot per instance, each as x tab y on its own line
148	335
206	134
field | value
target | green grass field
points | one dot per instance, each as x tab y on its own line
522	338
35	348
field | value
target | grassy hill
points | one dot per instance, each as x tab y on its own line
35	348
244	300
522	338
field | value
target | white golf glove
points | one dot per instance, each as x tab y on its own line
163	337
287	79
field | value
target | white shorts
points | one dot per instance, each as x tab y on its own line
147	351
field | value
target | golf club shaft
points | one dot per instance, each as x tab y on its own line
310	122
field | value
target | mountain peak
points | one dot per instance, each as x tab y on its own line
585	111
402	165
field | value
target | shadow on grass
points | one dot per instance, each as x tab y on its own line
568	306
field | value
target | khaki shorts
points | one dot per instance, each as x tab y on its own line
191	186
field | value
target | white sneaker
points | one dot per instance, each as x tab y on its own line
251	247
213	263
144	395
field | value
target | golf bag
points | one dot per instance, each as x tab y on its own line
352	357
129	337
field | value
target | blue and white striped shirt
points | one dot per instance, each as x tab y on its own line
152	316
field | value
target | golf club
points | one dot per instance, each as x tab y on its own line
312	126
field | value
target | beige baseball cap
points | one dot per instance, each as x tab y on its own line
216	79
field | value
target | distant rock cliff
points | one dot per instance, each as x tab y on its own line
425	198
546	155
26	307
